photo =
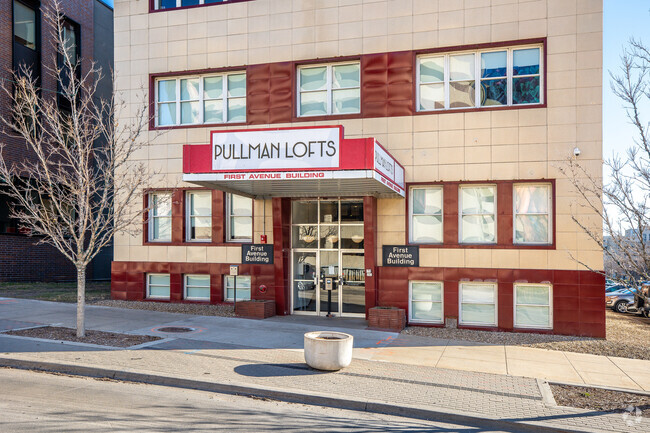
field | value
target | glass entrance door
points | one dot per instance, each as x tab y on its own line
327	242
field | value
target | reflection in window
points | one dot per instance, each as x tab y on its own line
24	25
243	287
169	4
426	215
494	80
329	89
478	304
533	306
199	215
197	287
478	214
532	214
526	76
426	302
160	217
240	218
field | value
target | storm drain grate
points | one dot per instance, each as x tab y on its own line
175	329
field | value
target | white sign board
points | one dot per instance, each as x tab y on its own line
234	270
308	148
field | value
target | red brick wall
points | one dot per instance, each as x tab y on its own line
22	260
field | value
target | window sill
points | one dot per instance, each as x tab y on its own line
199	125
488	246
194	244
153	10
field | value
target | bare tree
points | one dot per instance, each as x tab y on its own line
623	202
73	190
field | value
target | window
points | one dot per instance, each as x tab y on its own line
426	302
24	25
240	218
160	217
329	89
533	306
158	286
71	40
199	216
532	221
478	214
243	288
201	99
507	76
26	44
425	206
197	287
478	304
169	4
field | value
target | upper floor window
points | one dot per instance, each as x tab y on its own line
199	215
329	89
24	25
532	219
498	77
478	214
160	217
70	35
211	98
425	207
239	211
169	4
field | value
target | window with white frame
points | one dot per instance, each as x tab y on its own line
533	306
243	287
425	302
199	216
158	286
197	287
240	218
475	79
532	209
329	89
170	4
160	217
478	214
425	207
478	304
203	99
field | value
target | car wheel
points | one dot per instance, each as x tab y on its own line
620	307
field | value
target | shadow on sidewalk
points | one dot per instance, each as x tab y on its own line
278	370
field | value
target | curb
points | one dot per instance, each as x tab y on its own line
292	396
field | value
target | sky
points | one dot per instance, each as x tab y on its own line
622	19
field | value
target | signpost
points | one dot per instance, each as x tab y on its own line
234	271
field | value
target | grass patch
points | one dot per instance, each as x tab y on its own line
57	292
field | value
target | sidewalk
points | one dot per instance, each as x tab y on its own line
265	358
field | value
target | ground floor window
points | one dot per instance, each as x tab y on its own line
197	287
533	306
478	304
243	288
158	286
425	302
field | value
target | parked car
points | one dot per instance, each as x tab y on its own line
627	301
614	288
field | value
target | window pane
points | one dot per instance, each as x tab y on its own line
494	64
241	205
532	295
243	287
329	211
160	280
477	313
159	291
427	201
494	92
478	229
167	114
427	311
201	228
166	4
313	78
313	103
526	62
352	237
531	199
351	211
162	228
237	85
345	76
525	90
199	292
190	112
304	236
346	101
24	25
162	204
237	110
462	94
198	280
189	89
461	67
426	292
329	236
201	203
213	111
479	200
241	227
166	90
189	2
212	87
432	96
482	293
304	212
533	316
531	228
427	228
432	70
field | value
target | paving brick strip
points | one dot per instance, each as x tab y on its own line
467	398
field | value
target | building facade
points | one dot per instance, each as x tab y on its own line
406	150
29	42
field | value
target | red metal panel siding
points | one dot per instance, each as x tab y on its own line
269	93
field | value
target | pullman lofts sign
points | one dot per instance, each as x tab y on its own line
257	254
401	255
308	148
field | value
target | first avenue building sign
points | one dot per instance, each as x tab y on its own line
307	148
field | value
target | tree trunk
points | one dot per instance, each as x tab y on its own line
81	301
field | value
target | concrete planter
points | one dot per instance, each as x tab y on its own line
389	318
328	350
255	309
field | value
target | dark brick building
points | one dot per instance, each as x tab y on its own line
26	39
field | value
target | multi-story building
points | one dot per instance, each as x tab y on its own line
29	41
408	149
